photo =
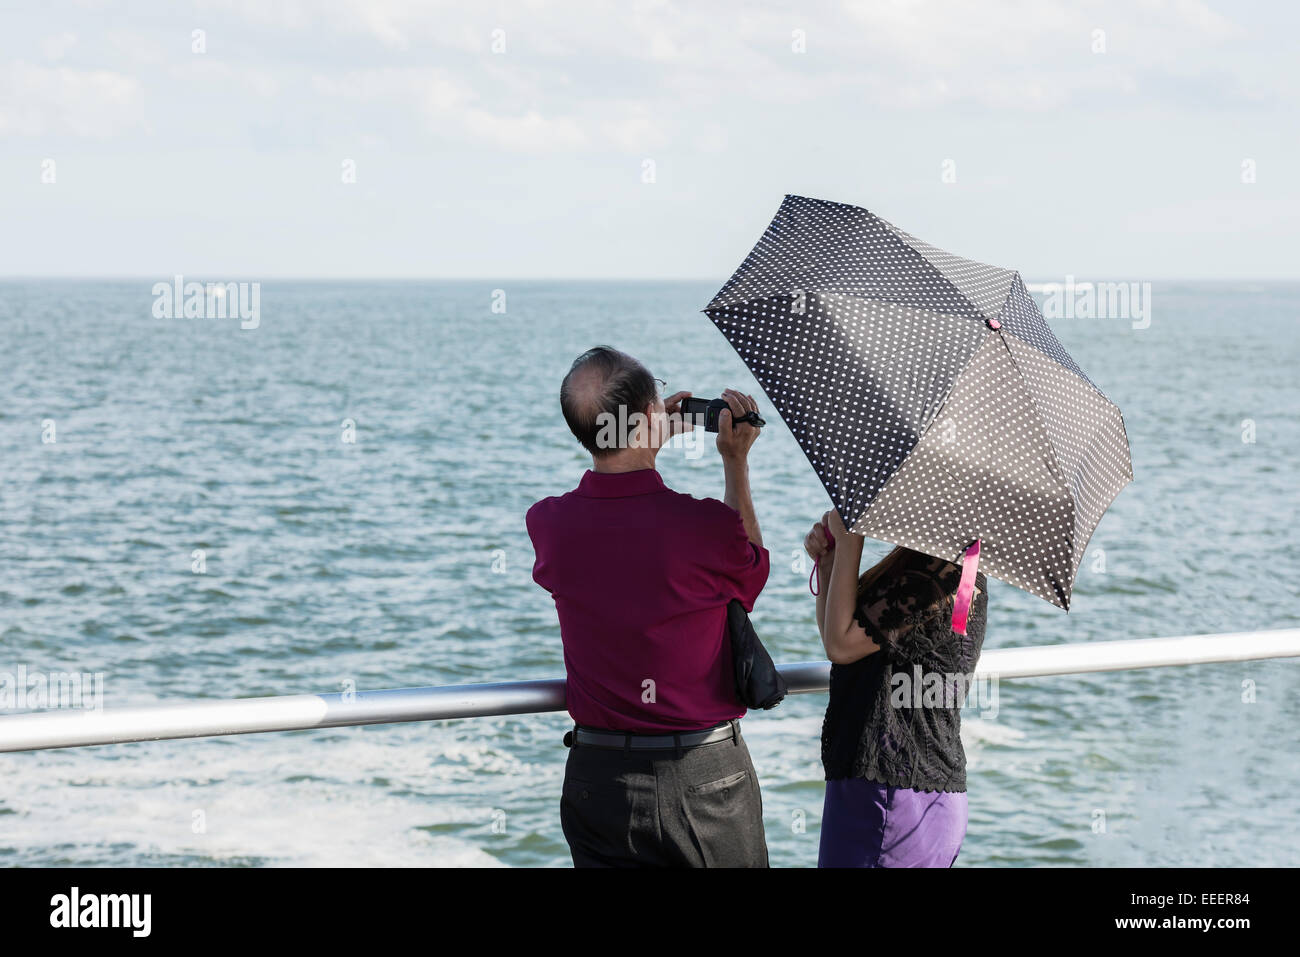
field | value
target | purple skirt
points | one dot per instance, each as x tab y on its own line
865	824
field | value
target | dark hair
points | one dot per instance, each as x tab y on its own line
623	382
891	567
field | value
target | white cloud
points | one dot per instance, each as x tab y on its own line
529	133
634	129
1027	54
447	107
56	47
40	101
631	77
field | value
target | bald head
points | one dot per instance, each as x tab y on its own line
600	382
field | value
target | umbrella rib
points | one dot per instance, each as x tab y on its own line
1087	445
925	430
1056	462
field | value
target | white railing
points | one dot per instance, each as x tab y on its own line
194	719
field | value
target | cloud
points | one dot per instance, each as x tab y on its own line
56	47
635	77
1029	54
634	129
449	108
530	132
41	101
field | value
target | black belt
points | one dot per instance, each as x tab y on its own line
627	741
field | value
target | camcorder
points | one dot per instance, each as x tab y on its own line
710	409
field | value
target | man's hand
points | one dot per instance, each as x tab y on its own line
673	409
735	439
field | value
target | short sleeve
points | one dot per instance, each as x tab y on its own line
535	525
742	567
899	617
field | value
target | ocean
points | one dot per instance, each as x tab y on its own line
181	511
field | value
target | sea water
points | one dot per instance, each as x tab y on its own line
334	498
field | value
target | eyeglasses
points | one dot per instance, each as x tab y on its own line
663	387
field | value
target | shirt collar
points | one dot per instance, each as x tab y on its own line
620	484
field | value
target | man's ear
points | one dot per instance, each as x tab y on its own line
656	434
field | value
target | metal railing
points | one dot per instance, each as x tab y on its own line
193	719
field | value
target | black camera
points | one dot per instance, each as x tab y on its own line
710	409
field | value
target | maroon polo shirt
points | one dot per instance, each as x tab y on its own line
641	576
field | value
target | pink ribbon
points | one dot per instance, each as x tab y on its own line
830	542
965	588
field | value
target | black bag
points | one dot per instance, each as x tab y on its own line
758	683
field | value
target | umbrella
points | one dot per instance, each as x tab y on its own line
931	397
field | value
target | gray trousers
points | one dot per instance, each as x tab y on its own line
639	808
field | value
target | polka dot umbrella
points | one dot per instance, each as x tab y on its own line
929	394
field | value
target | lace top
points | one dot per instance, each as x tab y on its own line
888	719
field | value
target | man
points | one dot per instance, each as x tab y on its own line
658	774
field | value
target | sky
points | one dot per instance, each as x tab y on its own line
237	139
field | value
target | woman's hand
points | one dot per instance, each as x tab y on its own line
832	521
815	543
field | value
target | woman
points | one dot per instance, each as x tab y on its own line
891	744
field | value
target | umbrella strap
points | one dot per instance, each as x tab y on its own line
966	588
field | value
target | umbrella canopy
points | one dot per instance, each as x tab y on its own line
928	393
